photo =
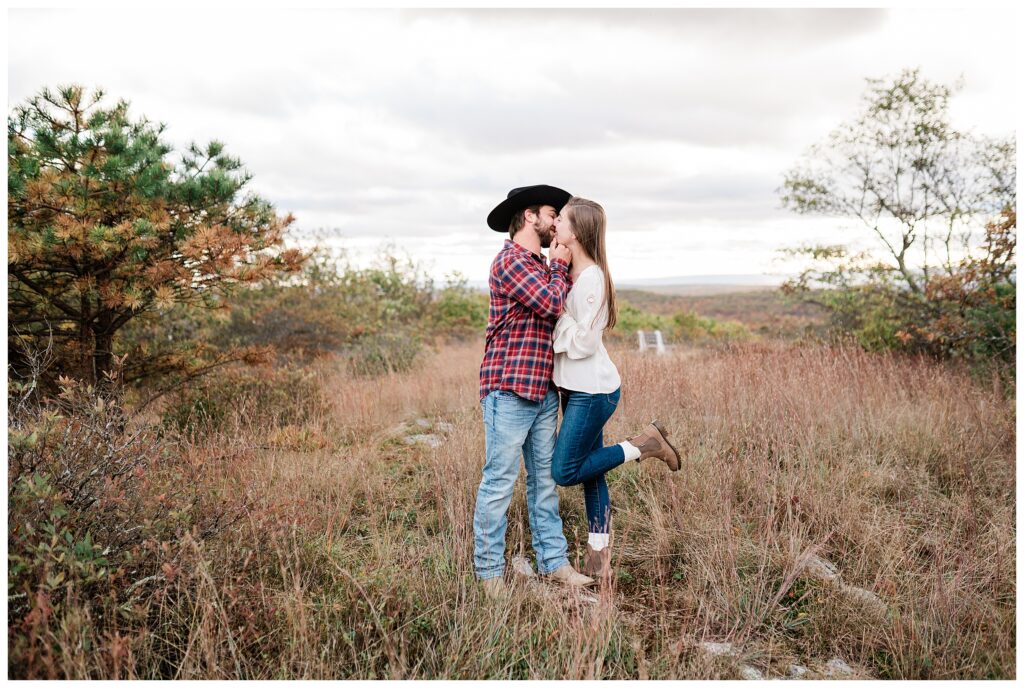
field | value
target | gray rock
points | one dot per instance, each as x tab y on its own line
444	426
866	598
837	667
796	671
432	440
423	423
820	569
718	649
749	673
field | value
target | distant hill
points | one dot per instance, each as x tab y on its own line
762	308
691	285
731	280
696	289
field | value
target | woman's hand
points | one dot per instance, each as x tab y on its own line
560	251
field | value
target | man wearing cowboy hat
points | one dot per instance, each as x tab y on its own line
520	405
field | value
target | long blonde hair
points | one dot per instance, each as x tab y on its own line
588	225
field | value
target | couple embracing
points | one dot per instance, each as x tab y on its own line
543	351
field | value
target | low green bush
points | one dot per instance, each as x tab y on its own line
378	353
263	396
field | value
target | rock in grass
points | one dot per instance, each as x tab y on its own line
749	673
837	667
718	649
820	569
431	440
866	598
796	671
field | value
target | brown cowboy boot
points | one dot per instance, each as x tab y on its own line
653	442
495	588
598	564
569	576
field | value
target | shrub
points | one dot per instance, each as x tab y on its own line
690	326
385	352
96	512
260	396
967	314
458	311
371	315
687	326
632	319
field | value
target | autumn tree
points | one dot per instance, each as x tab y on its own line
938	206
905	174
104	226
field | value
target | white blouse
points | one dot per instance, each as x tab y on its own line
581	361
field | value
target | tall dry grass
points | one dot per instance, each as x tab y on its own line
352	553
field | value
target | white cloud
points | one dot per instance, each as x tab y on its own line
413	124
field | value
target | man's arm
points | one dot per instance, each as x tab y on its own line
543	292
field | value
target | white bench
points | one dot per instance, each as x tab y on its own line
651	340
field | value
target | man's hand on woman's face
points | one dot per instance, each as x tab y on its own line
560	252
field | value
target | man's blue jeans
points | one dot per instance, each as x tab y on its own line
516	427
580	454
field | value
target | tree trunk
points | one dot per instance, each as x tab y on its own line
103	354
85	343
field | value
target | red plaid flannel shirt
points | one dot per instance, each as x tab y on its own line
526	299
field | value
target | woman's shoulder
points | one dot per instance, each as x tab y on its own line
591	275
588	287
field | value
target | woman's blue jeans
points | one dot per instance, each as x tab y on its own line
580	454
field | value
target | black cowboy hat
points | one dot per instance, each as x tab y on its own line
523	197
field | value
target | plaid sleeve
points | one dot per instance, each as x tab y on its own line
541	291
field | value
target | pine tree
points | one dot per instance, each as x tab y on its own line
103	227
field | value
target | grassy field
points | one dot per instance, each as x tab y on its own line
348	552
765	311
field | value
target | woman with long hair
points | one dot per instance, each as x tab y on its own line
588	382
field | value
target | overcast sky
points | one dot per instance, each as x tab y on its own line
410	125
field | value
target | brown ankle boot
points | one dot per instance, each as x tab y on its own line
598	564
653	442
